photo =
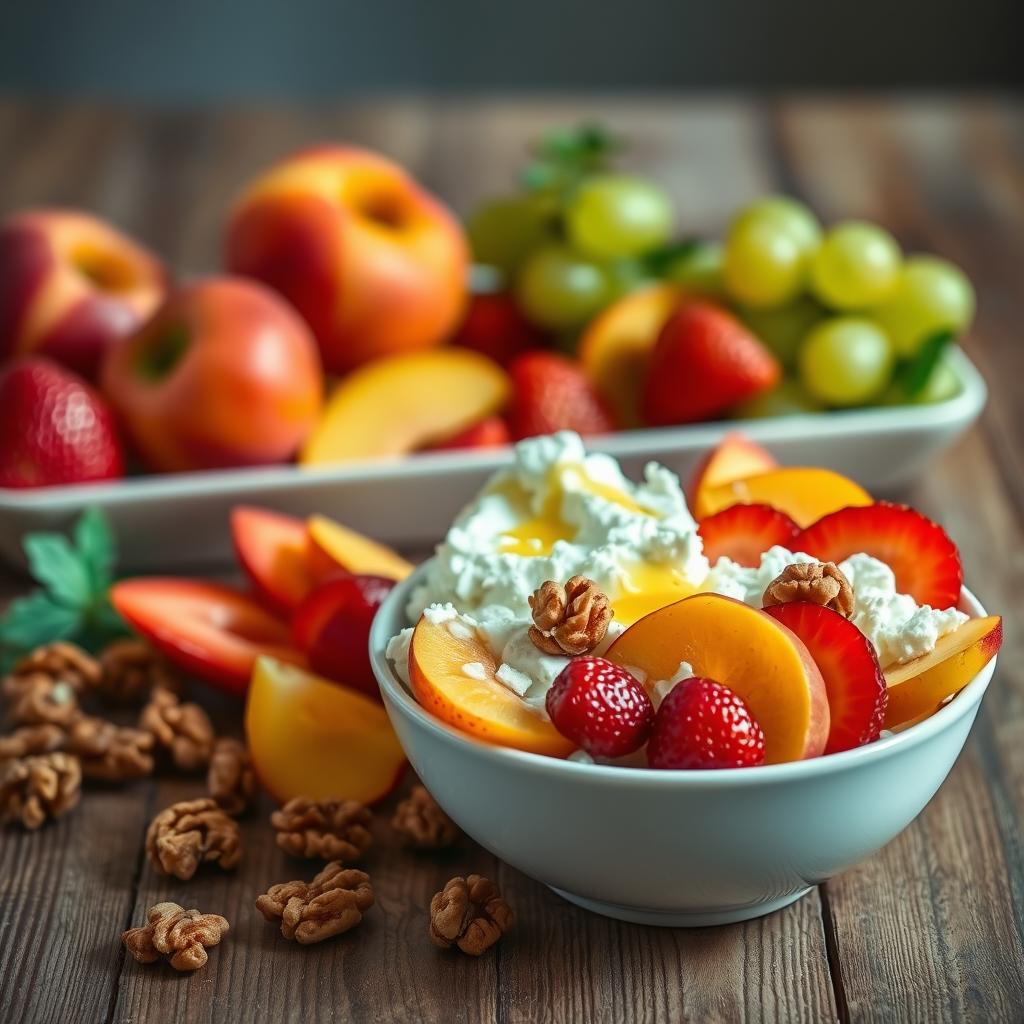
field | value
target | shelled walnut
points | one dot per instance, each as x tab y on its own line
421	823
331	829
190	833
182	729
569	620
130	670
183	936
231	779
110	752
35	789
469	913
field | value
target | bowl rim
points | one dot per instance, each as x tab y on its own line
391	616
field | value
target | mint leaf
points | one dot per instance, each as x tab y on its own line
55	563
35	620
916	372
97	547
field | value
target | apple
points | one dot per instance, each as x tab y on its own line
72	286
224	374
374	263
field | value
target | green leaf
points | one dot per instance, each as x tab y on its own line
661	259
57	565
35	620
97	547
915	373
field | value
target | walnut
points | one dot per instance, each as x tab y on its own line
110	752
816	582
469	913
332	903
37	698
190	833
61	661
32	739
35	789
184	730
421	822
231	780
569	620
331	829
182	935
131	669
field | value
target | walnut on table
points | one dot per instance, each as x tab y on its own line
231	779
36	698
815	582
32	739
330	829
569	620
182	729
421	823
37	788
61	661
190	833
130	670
110	752
332	903
470	914
181	935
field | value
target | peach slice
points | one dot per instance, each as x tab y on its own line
396	405
476	703
337	544
746	650
615	346
804	494
733	458
918	687
309	737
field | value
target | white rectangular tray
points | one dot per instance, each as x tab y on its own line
169	522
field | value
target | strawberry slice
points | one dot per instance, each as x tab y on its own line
207	629
745	532
491	432
846	658
920	553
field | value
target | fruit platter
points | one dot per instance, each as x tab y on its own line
363	349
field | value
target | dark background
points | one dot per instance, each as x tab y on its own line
189	51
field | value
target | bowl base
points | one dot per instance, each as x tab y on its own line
682	918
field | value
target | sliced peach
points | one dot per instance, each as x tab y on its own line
309	737
396	405
273	551
804	494
733	458
352	551
615	346
746	650
918	687
478	704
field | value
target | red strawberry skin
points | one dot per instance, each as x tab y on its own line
704	361
495	327
54	428
857	694
926	562
550	392
703	724
745	532
491	432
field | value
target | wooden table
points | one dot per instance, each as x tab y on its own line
929	929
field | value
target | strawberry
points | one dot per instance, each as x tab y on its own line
550	392
54	428
704	361
600	707
920	553
745	532
486	433
495	327
846	658
703	724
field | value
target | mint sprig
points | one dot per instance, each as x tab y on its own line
73	599
564	156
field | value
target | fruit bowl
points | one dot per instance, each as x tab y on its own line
676	848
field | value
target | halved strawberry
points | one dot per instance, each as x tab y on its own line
920	553
491	432
551	392
745	532
846	658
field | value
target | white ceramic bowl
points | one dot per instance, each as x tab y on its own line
676	847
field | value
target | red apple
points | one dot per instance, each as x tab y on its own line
72	286
224	374
374	263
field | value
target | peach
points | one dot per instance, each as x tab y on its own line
72	286
374	263
398	405
352	551
310	737
733	458
616	345
744	649
918	687
224	374
804	494
477	704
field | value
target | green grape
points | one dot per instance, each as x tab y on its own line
764	263
698	268
788	213
787	398
857	265
783	329
503	232
846	360
560	290
617	215
931	295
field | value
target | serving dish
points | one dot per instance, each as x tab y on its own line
672	847
181	519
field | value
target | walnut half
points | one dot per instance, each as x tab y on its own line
469	913
190	833
569	620
38	788
331	829
181	935
421	823
815	582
